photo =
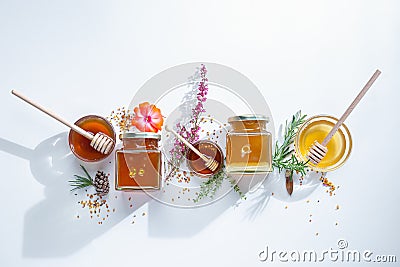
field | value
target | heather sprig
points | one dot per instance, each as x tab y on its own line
191	131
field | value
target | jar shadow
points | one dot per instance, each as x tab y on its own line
167	221
258	194
274	185
58	226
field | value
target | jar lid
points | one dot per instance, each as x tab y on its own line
249	117
150	135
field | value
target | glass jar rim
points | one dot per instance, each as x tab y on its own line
249	117
137	135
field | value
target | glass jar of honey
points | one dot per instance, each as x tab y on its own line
248	145
138	162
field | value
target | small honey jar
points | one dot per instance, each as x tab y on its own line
248	145
138	162
209	149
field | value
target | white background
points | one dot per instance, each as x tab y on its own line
84	57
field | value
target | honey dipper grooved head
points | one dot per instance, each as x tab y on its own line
102	143
212	164
316	153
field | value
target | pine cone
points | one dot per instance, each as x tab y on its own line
101	183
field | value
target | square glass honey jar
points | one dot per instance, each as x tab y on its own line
248	145
138	162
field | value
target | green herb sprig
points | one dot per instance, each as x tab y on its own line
283	157
236	188
209	188
80	181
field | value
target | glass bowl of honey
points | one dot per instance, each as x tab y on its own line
209	149
80	145
317	128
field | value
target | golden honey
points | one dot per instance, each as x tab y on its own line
138	163
248	145
80	145
316	129
209	149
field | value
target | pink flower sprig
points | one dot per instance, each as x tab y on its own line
191	131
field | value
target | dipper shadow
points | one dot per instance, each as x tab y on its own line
58	226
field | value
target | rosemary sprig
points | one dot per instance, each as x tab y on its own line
80	181
283	157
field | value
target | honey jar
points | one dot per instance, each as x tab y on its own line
248	145
138	162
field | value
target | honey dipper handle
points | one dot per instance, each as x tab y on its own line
351	107
53	115
189	145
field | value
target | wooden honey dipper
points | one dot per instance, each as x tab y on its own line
318	151
210	163
100	141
